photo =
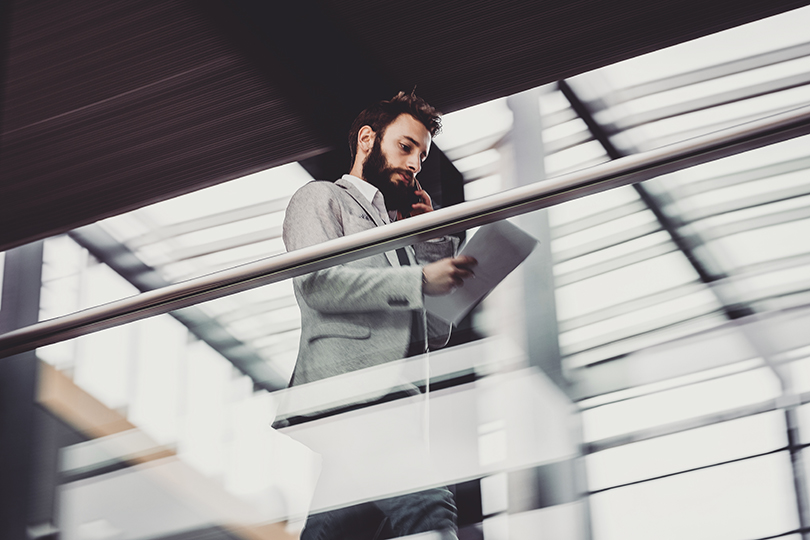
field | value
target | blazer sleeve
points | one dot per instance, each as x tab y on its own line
313	216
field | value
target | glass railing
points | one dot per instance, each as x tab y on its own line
176	397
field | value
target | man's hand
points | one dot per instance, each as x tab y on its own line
445	275
421	207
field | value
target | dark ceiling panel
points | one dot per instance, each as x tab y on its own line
109	106
329	79
96	51
121	104
460	52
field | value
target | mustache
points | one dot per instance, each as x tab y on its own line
406	173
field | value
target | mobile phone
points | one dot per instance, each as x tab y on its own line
412	198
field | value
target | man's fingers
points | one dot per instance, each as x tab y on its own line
464	266
465	260
464	273
425	205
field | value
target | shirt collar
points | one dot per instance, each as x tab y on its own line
369	192
362	186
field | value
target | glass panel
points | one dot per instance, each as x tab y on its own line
624	325
582	208
182	407
799	372
483	187
686	450
710	174
615	227
803	412
718	86
666	377
193	433
178	239
67	271
720	223
771	34
473	124
654	134
699	86
613	287
63	263
572	159
563	130
561	522
744	190
677	404
364	429
747	499
741	254
775	284
600	292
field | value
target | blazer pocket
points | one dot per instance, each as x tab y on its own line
342	330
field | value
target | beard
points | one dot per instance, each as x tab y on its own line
379	173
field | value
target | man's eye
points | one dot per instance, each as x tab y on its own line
404	147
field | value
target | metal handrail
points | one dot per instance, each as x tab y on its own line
460	217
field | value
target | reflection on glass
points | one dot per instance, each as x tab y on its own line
169	420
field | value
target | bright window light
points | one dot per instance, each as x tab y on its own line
708	397
737	501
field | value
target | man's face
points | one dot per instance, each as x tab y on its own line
395	159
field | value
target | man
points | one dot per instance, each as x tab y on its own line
371	311
367	312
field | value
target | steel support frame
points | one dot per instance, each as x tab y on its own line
22	281
669	224
732	312
539	303
555	483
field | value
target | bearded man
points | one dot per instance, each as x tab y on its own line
371	311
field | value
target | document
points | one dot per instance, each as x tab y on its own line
499	248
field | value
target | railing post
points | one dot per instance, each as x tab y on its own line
22	280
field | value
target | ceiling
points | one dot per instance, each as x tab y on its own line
112	106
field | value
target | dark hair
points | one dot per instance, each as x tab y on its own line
379	115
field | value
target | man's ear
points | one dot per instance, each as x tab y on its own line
365	139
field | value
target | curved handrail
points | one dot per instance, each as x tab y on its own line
631	169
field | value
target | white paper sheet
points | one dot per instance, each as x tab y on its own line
499	248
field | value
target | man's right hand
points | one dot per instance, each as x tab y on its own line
445	275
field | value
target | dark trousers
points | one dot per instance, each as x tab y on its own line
430	510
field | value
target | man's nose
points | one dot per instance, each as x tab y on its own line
414	164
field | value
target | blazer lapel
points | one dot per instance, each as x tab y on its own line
370	210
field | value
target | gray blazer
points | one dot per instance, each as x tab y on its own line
358	314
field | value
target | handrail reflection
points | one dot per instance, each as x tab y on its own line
616	173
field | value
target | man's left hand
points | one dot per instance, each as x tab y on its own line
422	207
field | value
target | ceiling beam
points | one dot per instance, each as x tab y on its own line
668	223
117	256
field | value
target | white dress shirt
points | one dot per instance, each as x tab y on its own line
375	197
372	195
